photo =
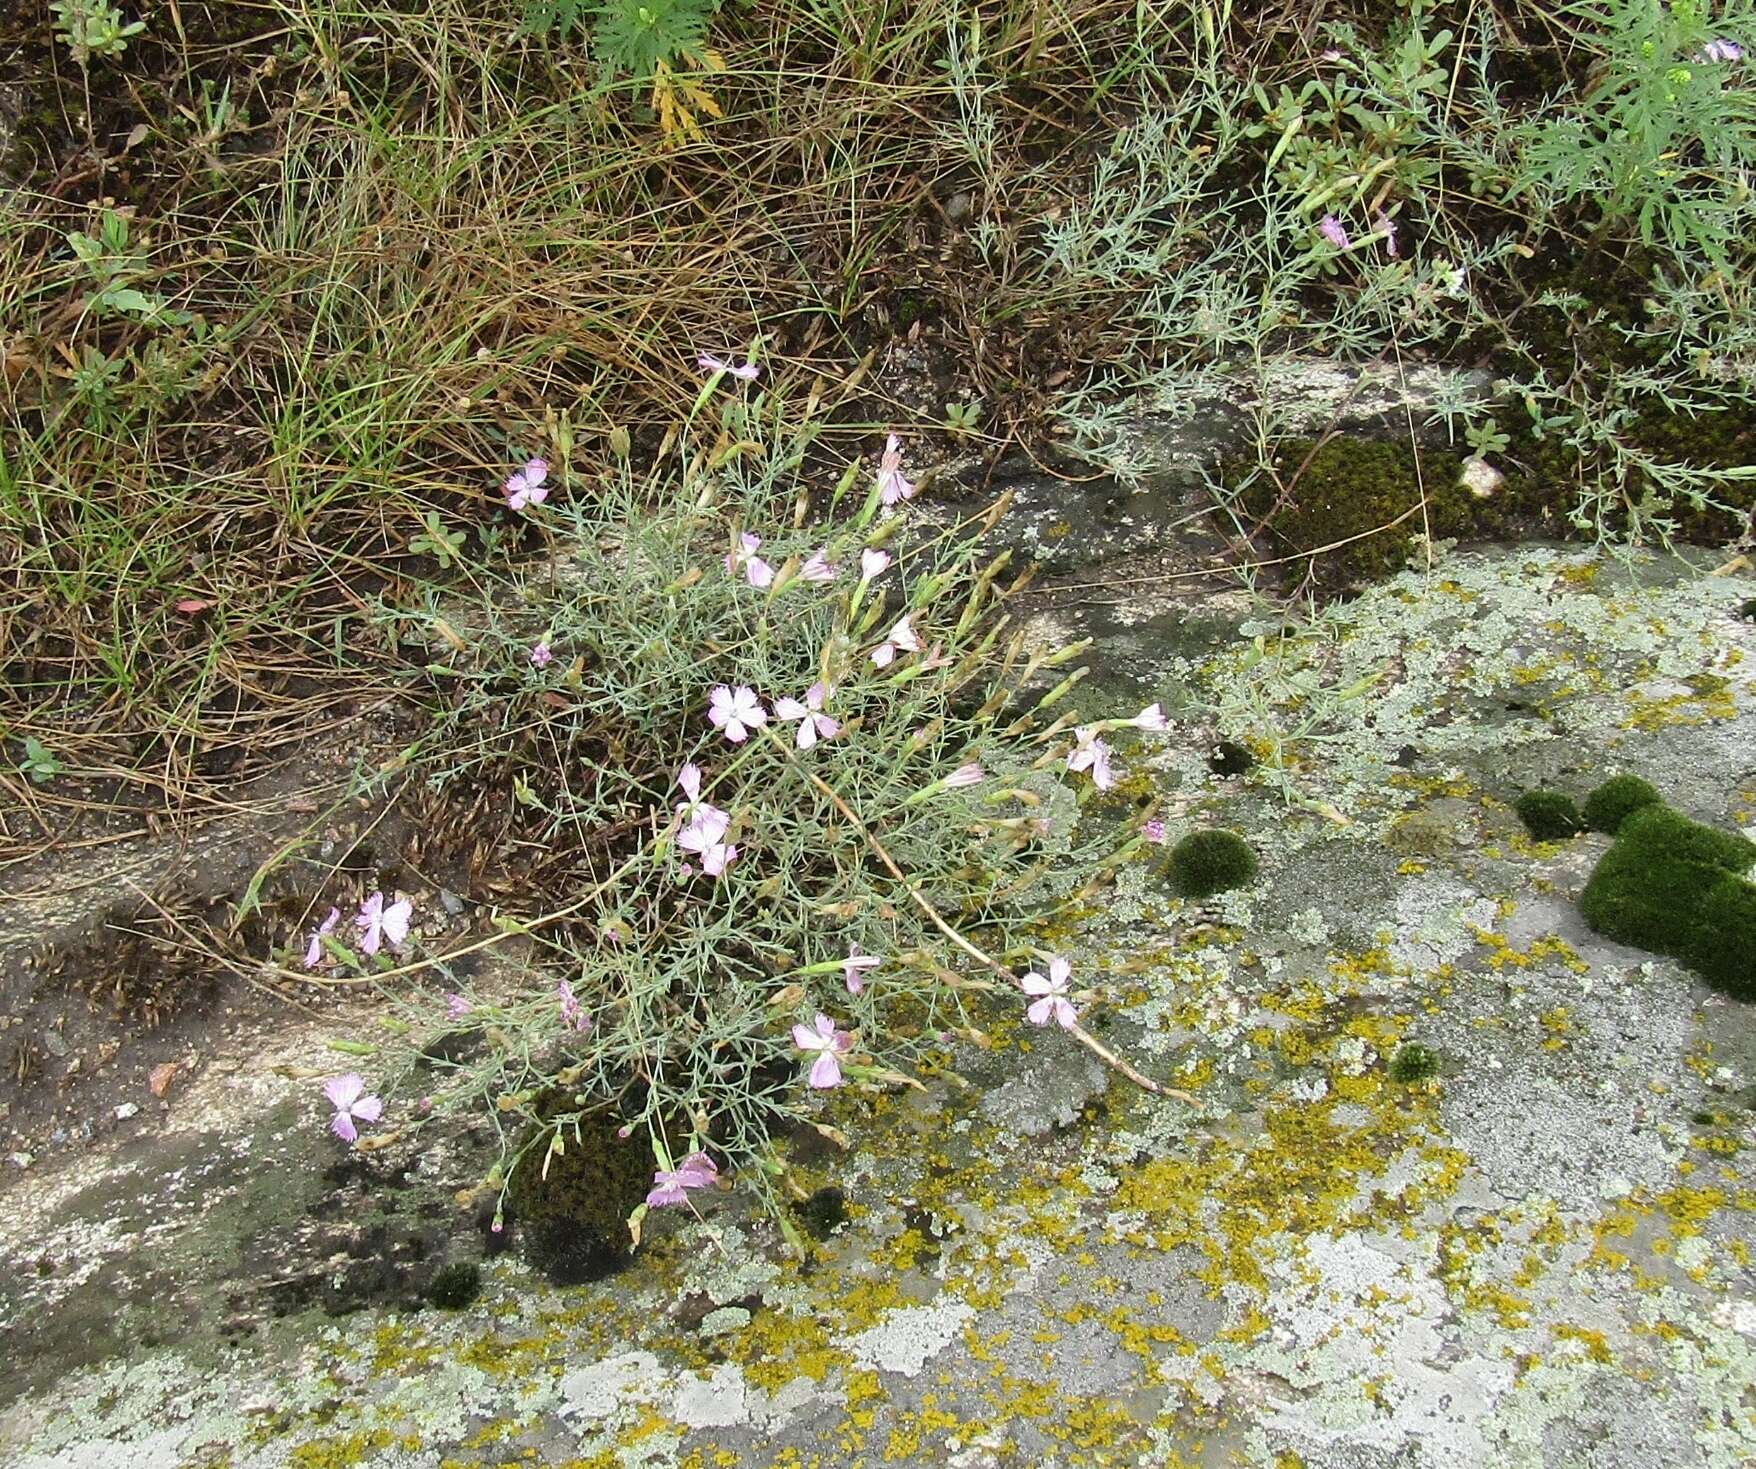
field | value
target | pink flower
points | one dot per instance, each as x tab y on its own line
1721	50
761	574
525	487
572	1012
670	1185
748	371
1053	1002
736	711
1387	228
705	836
873	563
314	954
902	639
971	774
814	724
689	783
823	1038
892	486
1151	717
853	964
377	924
818	567
1092	754
1331	229
347	1095
541	655
456	1007
1154	831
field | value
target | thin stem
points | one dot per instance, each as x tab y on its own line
1084	1037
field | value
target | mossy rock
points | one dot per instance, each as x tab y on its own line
1549	816
1208	862
1345	493
1676	887
573	1223
1616	800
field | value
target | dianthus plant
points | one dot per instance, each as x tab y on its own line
785	777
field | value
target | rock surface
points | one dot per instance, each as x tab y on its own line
1541	1257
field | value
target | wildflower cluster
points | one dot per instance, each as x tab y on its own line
772	771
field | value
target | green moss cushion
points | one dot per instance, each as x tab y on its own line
1616	800
1674	886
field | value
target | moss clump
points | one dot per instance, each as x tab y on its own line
573	1222
1747	610
1229	758
1356	495
456	1285
1549	816
1674	886
1616	800
1413	1063
1207	862
824	1212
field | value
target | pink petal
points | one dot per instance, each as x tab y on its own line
697	1171
825	1071
666	1192
1060	970
343	1091
1038	1013
884	654
368	1109
790	709
1034	984
314	954
396	920
689	781
807	1039
1064	1011
343	1127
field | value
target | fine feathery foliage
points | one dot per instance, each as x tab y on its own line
781	776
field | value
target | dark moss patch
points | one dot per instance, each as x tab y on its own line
1549	816
1676	887
1747	611
1363	497
456	1285
1228	758
1616	799
824	1212
1208	862
572	1219
1413	1063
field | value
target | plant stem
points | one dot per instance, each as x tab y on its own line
1084	1037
